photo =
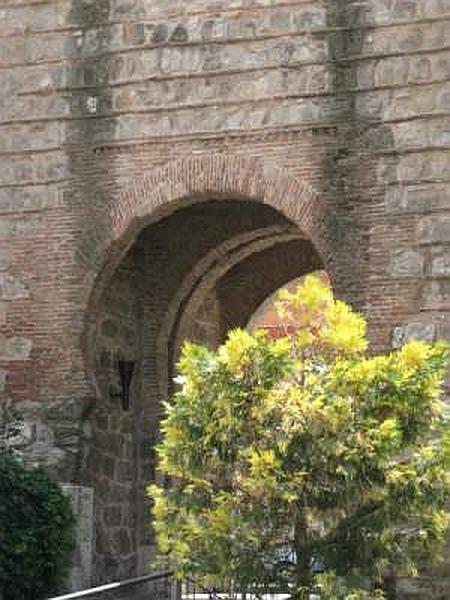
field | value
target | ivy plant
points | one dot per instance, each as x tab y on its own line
37	532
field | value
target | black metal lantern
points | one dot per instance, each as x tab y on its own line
126	369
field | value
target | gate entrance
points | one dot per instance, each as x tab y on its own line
201	267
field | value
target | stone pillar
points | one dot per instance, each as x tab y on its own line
82	499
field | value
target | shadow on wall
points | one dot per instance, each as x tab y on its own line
352	164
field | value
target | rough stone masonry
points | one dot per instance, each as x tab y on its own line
165	166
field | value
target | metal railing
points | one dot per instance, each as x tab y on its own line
164	586
155	586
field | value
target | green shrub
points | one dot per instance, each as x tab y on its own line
37	533
305	453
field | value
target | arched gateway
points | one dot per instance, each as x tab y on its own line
194	249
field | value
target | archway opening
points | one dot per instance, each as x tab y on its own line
194	274
266	316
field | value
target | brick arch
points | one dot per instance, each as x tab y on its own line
161	191
286	206
202	278
181	183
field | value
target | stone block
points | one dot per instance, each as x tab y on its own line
411	135
5	258
434	229
15	348
418	168
34	169
413	331
68	410
82	499
436	295
440	135
44	48
112	515
125	471
215	26
18	19
11	288
38	106
20	228
34	136
12	50
406	263
3	380
443	330
3	312
238	87
418	199
67	436
109	467
391	72
423	588
38	80
123	541
440	264
110	328
188	121
118	492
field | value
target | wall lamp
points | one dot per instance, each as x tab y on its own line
125	369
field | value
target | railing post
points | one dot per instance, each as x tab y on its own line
176	588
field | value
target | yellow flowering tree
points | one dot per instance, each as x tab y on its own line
303	454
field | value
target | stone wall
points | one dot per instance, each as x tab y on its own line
114	113
351	96
109	450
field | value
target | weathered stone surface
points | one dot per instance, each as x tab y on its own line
434	229
416	168
432	99
5	258
82	499
418	199
436	295
110	328
413	331
20	228
15	348
17	19
41	168
19	435
51	434
241	87
420	588
3	380
35	136
12	288
419	135
406	263
3	312
443	329
440	264
187	121
74	410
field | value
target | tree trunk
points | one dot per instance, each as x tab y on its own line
390	587
303	574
